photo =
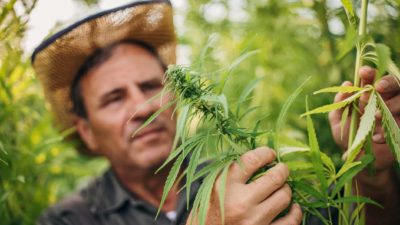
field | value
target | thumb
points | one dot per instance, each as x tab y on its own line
250	162
335	116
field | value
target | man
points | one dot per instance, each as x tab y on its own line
104	68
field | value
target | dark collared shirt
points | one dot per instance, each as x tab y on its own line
106	201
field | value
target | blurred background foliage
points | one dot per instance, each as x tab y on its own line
296	39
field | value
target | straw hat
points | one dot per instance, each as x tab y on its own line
58	59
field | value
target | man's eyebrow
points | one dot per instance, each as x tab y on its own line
151	80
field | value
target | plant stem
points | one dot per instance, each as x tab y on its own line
361	32
354	115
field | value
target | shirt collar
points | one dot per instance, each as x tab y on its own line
106	194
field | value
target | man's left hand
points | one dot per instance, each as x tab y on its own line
384	185
389	89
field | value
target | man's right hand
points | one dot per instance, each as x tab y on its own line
258	202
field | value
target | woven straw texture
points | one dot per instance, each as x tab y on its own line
57	64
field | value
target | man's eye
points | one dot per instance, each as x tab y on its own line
112	100
151	86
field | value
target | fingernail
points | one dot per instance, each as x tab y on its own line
366	71
347	83
378	115
383	84
377	138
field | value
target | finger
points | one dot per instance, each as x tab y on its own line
379	132
363	101
342	96
250	162
388	87
294	217
378	136
367	75
276	203
378	115
267	184
393	105
336	115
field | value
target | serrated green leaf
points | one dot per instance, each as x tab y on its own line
283	113
348	44
241	58
302	186
299	165
255	132
153	117
218	162
189	144
346	167
355	215
392	131
352	18
181	124
317	214
337	105
315	153
348	5
231	67
367	122
356	199
383	57
328	163
369	151
248	111
343	120
224	103
173	174
4	162
349	174
148	101
235	146
191	169
286	150
246	92
210	42
340	89
2	149
394	70
221	192
204	195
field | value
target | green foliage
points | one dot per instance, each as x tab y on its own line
392	131
312	172
295	40
36	167
378	54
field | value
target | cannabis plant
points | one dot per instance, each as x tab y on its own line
198	98
206	117
361	129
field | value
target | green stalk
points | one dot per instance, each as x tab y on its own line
354	114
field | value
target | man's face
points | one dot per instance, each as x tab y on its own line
112	92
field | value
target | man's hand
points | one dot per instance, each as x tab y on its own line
258	202
383	186
389	89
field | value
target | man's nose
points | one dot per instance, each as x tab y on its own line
141	107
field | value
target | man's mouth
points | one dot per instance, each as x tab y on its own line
148	133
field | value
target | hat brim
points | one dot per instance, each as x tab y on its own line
58	59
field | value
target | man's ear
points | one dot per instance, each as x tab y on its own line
86	133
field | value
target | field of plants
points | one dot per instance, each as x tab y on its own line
265	48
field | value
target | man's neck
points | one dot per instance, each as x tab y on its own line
149	186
